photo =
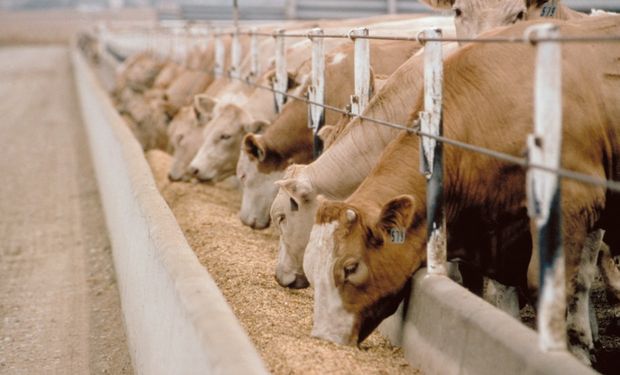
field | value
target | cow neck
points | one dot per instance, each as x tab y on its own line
358	148
397	173
289	138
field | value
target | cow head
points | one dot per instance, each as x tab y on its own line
473	17
292	212
259	188
219	152
359	262
186	135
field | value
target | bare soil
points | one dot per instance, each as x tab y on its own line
242	262
59	303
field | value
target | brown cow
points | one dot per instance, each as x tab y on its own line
472	17
356	269
363	141
289	140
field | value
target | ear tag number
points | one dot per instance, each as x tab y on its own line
548	10
397	235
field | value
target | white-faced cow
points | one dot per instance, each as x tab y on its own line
358	271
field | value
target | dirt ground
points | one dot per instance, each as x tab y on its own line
242	262
59	304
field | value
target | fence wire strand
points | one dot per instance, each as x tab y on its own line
415	129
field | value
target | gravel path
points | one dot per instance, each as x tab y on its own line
59	304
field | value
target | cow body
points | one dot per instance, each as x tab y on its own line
472	17
283	148
350	259
363	141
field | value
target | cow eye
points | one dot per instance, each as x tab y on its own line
350	269
179	139
458	12
520	16
294	205
225	136
280	218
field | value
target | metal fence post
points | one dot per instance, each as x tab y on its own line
254	63
431	154
316	91
281	79
102	37
543	188
219	54
359	101
235	55
177	52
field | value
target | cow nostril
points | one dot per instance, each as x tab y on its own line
300	282
193	171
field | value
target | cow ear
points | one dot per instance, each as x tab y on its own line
538	3
299	189
292	81
290	76
204	104
439	4
325	132
397	214
170	109
256	126
254	146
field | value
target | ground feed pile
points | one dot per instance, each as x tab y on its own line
242	262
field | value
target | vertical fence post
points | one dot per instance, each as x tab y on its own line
101	37
281	79
359	101
254	63
219	54
543	188
431	154
290	9
235	55
392	6
316	91
177	54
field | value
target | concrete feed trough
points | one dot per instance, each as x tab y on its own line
177	320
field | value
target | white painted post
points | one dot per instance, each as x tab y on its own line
254	63
219	54
235	56
177	53
316	92
543	188
359	101
170	43
392	6
431	155
281	79
102	33
290	9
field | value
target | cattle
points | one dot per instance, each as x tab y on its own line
218	156
185	134
276	149
340	169
137	72
357	270
472	17
363	142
